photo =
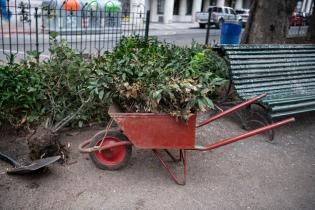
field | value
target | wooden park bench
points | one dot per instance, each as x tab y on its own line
285	72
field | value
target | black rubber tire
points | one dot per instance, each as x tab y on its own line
202	25
101	165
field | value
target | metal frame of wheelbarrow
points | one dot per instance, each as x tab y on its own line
183	134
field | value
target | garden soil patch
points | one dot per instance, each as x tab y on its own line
43	143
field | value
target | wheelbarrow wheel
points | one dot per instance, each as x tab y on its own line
114	158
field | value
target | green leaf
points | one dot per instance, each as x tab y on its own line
101	94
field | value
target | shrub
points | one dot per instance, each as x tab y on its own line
21	94
152	76
142	75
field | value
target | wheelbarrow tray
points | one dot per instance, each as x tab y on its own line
155	130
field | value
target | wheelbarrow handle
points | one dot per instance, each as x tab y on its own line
244	135
234	108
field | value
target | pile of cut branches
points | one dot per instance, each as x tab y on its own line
152	76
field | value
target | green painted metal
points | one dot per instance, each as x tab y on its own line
253	47
259	80
263	52
270	56
273	60
275	84
273	70
282	93
290	113
288	99
293	106
285	72
268	66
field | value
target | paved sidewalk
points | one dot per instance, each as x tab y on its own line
173	26
251	174
160	29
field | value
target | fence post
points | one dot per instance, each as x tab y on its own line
208	28
11	56
36	28
147	24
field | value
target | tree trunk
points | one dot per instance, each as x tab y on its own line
268	21
311	28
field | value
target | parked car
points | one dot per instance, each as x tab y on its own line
296	19
219	15
244	13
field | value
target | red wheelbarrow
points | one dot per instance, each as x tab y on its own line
111	149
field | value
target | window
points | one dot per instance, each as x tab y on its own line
226	11
240	12
219	10
189	7
176	7
160	9
232	12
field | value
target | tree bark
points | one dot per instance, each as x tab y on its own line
268	21
311	28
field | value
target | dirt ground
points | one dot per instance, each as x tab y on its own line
251	174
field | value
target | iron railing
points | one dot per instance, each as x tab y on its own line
25	28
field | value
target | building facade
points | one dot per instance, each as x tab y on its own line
305	6
168	11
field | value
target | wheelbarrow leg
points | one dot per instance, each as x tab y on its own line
172	156
169	170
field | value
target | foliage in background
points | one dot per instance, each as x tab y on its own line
65	77
141	75
21	94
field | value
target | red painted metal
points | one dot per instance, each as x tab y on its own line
100	148
237	107
182	154
156	131
244	135
161	131
113	155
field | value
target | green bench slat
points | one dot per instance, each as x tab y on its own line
272	90
270	66
292	106
264	80
270	56
271	61
277	93
247	76
267	47
294	112
267	85
262	52
288	100
269	70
